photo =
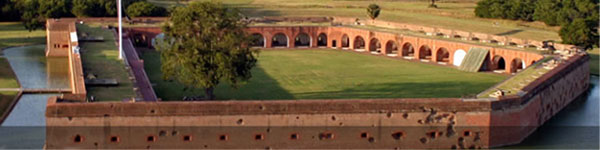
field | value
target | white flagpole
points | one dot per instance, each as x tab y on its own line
120	29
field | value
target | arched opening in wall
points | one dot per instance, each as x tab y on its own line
458	57
302	40
499	64
531	46
391	49
425	53
475	39
408	51
280	40
258	40
517	65
442	56
457	36
494	41
140	40
322	40
375	46
512	44
359	43
345	42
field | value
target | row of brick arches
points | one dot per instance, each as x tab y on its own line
378	43
390	48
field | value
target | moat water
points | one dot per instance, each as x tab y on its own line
576	126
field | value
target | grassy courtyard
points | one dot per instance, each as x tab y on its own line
14	34
331	74
101	59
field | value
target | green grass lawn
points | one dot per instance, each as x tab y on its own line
14	34
6	98
101	59
331	74
456	14
595	61
7	76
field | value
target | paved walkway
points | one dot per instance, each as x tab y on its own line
137	67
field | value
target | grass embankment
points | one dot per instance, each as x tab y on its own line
595	61
101	59
452	14
513	85
330	74
6	99
7	80
14	34
7	76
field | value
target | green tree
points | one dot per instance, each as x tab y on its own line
581	32
144	8
373	11
207	45
547	11
432	4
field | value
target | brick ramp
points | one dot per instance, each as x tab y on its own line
137	67
473	60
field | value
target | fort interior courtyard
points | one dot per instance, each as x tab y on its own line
320	82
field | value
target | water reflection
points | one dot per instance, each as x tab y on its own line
574	127
30	65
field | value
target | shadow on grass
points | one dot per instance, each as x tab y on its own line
401	90
260	86
511	32
7	42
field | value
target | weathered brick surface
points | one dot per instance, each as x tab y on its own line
424	123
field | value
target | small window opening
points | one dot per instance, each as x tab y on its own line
114	139
431	134
397	135
223	137
364	135
294	136
467	133
78	139
187	138
259	137
326	135
151	138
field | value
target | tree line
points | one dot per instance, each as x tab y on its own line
578	18
33	13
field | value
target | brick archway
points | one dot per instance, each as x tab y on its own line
391	48
302	40
442	55
425	53
498	63
516	65
345	41
359	43
280	40
322	40
258	40
374	46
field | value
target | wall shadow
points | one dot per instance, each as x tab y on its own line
402	90
260	87
511	32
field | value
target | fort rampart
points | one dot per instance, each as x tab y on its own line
352	123
386	123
